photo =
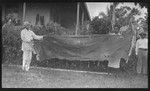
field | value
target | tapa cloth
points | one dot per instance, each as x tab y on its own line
86	47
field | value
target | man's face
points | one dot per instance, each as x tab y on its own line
28	26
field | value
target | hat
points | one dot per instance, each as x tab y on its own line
143	34
26	23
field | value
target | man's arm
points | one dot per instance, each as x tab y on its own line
36	36
137	47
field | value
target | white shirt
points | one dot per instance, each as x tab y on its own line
141	43
124	28
27	37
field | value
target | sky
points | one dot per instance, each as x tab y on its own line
96	7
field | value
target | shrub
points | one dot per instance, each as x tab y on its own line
55	28
11	43
52	28
100	26
84	29
16	19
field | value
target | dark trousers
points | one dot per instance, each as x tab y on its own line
142	61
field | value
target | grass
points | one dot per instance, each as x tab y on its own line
39	77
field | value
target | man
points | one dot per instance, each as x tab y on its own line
123	29
141	51
27	37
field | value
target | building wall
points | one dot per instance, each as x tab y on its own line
11	8
67	13
33	9
63	13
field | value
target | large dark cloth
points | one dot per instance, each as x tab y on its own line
87	47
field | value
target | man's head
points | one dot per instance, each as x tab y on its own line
26	24
142	35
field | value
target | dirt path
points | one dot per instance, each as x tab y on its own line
14	77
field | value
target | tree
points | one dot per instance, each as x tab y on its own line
142	4
105	24
121	17
103	15
124	14
100	25
143	24
112	14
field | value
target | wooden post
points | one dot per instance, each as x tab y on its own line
113	18
3	12
77	23
24	11
82	17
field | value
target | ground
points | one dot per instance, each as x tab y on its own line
40	77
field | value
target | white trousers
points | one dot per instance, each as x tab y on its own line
27	57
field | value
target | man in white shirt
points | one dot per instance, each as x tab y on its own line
123	29
27	37
141	51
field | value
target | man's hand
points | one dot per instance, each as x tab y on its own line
44	36
136	53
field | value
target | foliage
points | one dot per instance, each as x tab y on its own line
84	28
53	28
124	14
142	4
143	23
104	25
16	20
11	43
100	26
11	38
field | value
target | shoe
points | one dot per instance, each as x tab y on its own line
37	58
27	68
23	68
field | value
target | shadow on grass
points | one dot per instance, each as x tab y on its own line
95	66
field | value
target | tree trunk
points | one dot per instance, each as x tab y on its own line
113	18
77	23
24	11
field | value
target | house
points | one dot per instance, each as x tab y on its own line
68	15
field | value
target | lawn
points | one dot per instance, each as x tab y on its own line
46	77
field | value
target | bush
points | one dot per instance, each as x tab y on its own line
53	28
100	26
11	43
16	19
84	29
